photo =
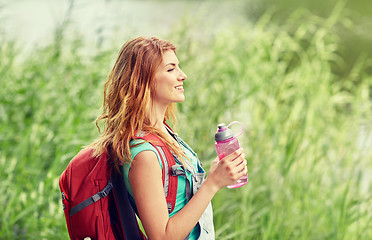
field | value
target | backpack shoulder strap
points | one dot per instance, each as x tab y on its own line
170	182
127	217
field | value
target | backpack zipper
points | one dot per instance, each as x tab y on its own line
63	201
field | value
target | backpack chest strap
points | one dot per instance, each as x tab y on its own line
176	171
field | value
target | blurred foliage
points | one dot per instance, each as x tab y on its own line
307	119
353	25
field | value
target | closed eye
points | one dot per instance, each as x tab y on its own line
172	66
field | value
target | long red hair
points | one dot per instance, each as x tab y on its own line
127	98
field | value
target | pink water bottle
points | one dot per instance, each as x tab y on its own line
226	143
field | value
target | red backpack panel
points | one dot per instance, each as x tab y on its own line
83	178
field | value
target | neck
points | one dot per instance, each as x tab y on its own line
157	113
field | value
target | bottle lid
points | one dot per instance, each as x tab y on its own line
223	133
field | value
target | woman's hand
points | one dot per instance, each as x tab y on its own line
227	170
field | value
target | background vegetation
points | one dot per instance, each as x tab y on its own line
305	106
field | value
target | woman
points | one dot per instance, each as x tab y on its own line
139	96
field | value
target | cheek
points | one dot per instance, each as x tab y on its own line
162	85
157	89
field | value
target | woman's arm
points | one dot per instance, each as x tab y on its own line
145	176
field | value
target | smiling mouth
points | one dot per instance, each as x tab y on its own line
179	87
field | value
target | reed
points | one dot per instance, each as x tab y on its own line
306	127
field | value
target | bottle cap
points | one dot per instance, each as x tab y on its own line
223	133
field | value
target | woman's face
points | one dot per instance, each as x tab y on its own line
169	80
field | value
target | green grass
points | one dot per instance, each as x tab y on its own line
308	176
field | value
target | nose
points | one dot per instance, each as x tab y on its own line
182	76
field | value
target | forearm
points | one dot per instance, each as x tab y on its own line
222	173
181	224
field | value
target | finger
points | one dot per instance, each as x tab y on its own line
242	164
244	170
239	174
239	162
241	167
236	165
242	173
233	155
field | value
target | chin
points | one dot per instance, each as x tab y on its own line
180	99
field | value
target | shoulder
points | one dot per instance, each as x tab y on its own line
145	165
145	157
143	150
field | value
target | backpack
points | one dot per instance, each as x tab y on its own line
95	200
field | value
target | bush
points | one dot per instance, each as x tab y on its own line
306	128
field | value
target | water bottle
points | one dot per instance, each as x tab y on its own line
227	143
